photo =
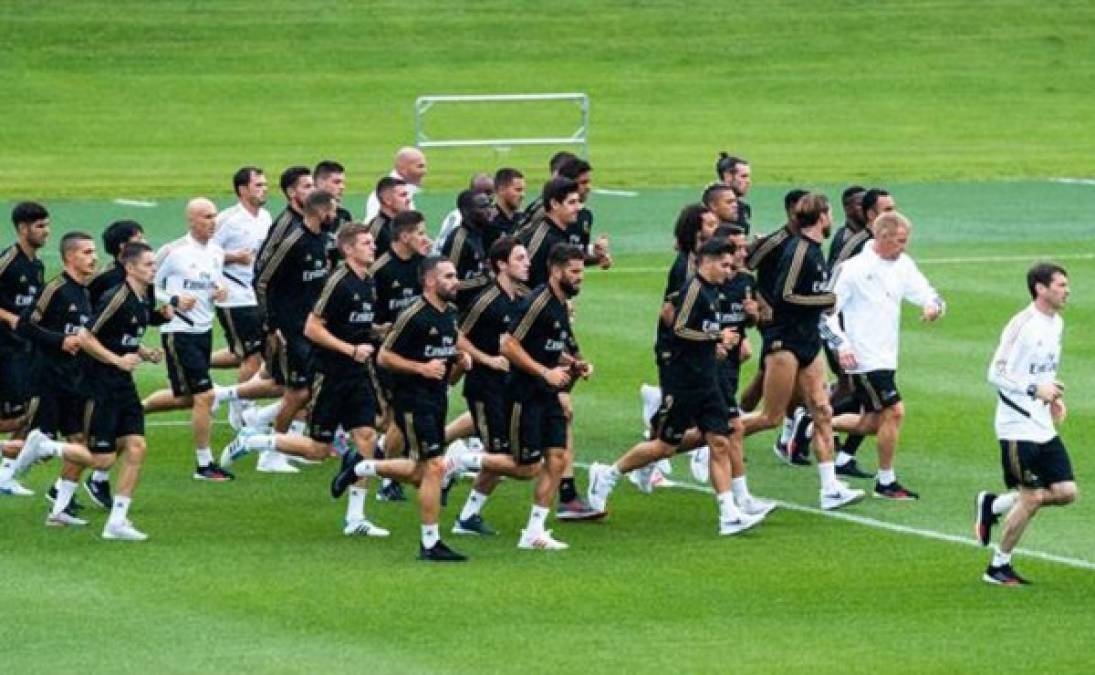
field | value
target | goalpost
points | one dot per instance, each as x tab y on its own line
580	136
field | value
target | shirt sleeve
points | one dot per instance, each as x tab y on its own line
1010	352
688	325
794	281
164	268
918	290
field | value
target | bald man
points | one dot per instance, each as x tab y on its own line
480	183
409	166
188	277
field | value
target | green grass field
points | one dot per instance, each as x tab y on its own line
941	102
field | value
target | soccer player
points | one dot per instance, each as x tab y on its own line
509	193
723	202
864	329
853	234
340	325
330	176
480	183
581	232
464	247
534	212
409	166
22	276
188	278
792	341
1030	404
286	290
56	408
734	172
691	397
393	198
420	350
562	202
296	184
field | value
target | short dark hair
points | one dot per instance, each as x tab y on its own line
714	190
465	201
1042	273
290	176
727	163
429	264
501	250
349	232
559	159
870	198
808	210
68	242
388	183
118	233
505	176
319	199
575	167
562	254
687	229
132	250
326	168
406	221
716	247
557	190
727	230
850	192
791	198
26	213
242	177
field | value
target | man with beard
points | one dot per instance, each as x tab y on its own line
464	247
420	350
393	198
723	202
734	172
296	184
22	276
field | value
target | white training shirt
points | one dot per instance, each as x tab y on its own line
372	204
869	291
238	230
1029	354
185	266
450	223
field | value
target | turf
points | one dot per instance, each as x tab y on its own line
255	577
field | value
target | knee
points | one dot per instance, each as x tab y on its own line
1065	494
822	413
435	467
894	414
719	445
102	461
204	400
135	451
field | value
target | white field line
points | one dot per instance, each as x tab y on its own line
615	193
1078	563
136	202
969	260
1074	181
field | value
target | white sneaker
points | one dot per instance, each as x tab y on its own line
542	541
743	522
272	461
237	449
664	466
700	464
220	395
236	411
454	466
842	496
14	488
652	400
63	519
123	532
752	506
600	486
297	428
363	528
30	453
248	417
644	478
475	445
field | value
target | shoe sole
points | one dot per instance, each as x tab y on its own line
744	528
853	500
8	492
459	530
895	499
996	582
577	518
763	513
94	499
111	537
57	523
530	547
371	532
212	480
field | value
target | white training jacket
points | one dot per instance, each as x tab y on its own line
186	266
1029	354
238	230
869	291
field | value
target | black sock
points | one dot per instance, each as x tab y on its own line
568	491
851	444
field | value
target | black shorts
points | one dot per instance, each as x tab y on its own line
537	423
345	401
487	406
56	414
1035	465
805	350
187	356
683	409
242	330
381	388
14	370
290	361
110	414
728	388
876	390
422	421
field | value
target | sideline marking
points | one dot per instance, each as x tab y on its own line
615	193
1073	181
136	202
1077	563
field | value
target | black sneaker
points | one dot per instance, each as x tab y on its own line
799	447
473	525
894	491
213	473
99	491
983	517
345	476
852	470
1003	575
392	492
800	459
73	507
439	553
